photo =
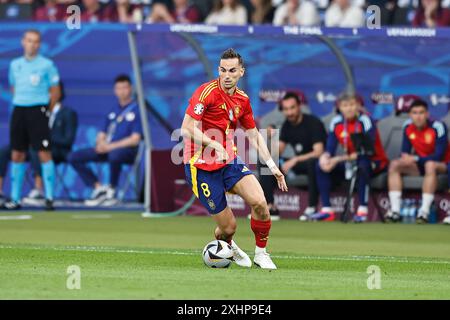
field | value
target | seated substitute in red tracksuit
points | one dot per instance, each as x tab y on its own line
332	168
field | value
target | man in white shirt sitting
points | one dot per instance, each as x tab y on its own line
344	14
297	12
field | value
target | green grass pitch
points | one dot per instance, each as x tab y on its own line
122	256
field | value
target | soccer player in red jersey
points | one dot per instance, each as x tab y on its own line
333	168
211	165
425	151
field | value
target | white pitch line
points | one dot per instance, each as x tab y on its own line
191	253
22	217
91	216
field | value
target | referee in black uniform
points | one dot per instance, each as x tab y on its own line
34	81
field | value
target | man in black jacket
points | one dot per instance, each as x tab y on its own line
63	123
306	135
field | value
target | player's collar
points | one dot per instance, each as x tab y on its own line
427	124
32	59
220	88
126	105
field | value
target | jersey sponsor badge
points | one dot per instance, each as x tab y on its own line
130	116
35	79
237	109
298	147
199	108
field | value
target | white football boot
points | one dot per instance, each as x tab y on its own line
240	257
262	259
446	220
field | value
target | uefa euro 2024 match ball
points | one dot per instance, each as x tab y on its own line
217	254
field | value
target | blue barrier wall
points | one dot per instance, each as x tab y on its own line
388	61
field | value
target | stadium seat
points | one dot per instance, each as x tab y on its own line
327	120
446	120
391	129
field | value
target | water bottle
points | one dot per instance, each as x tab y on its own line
404	210
433	216
412	211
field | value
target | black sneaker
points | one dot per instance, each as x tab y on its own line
392	217
422	218
11	205
49	205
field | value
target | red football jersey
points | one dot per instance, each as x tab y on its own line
429	142
219	114
340	130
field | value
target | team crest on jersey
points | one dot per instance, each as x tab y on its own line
35	79
230	114
237	109
199	108
130	116
211	204
428	138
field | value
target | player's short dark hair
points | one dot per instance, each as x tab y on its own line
232	54
418	103
122	78
35	31
291	95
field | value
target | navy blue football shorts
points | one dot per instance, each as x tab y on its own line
210	186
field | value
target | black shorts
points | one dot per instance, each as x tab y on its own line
29	127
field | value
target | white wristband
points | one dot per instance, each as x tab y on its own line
271	164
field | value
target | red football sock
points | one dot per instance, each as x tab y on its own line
261	230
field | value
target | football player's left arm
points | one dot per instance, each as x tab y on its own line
257	141
441	145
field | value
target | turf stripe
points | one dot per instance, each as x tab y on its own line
91	216
16	217
194	253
